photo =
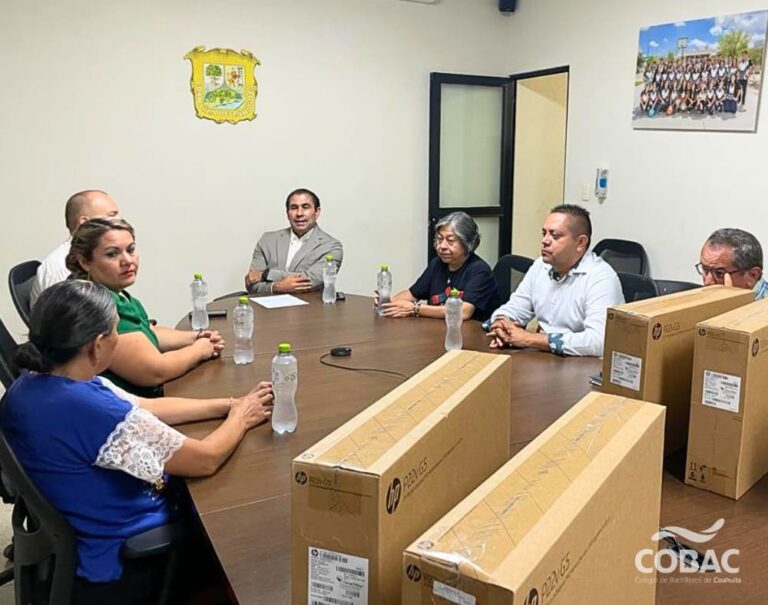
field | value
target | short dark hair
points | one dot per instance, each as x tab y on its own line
76	204
67	316
87	237
578	220
302	191
747	252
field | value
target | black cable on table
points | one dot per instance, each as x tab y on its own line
381	371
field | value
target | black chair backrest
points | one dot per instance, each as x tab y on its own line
20	280
637	287
8	369
669	286
623	255
509	272
44	553
237	294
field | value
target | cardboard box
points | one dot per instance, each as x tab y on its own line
363	493
565	518
727	445
649	350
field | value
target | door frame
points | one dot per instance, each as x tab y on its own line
527	75
504	211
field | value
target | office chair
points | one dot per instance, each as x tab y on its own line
45	557
668	286
8	373
509	272
637	287
231	295
8	369
623	255
20	279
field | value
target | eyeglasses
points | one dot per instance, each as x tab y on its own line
449	241
717	274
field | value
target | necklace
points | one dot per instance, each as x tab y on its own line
452	274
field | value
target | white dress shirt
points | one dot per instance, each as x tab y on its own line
295	245
51	271
571	310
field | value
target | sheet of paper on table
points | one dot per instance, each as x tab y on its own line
278	301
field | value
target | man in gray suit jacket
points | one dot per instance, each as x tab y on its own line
291	260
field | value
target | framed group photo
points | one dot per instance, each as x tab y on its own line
703	74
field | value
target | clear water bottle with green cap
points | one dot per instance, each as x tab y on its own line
285	380
453	320
199	301
383	288
329	280
242	319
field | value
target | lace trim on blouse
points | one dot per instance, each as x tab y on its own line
121	393
140	445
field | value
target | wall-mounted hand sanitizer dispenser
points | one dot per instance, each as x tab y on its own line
601	183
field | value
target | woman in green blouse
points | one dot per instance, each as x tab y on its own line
104	251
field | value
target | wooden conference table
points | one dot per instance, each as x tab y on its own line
245	507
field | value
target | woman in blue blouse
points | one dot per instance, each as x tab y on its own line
99	454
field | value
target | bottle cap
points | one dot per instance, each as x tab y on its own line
198	276
329	257
284	347
385	267
243	300
454	293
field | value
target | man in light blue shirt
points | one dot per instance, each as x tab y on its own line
568	289
733	257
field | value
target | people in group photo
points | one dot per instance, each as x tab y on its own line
696	85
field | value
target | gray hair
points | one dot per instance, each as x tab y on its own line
67	316
747	252
465	228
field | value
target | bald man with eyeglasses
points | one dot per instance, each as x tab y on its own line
733	257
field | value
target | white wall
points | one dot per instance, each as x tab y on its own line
97	95
668	190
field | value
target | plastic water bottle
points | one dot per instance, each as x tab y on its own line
329	280
384	288
199	301
453	321
242	318
285	380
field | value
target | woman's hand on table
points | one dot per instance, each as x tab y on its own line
215	338
398	308
255	406
207	348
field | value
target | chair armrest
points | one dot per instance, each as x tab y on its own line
156	541
237	294
7	493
